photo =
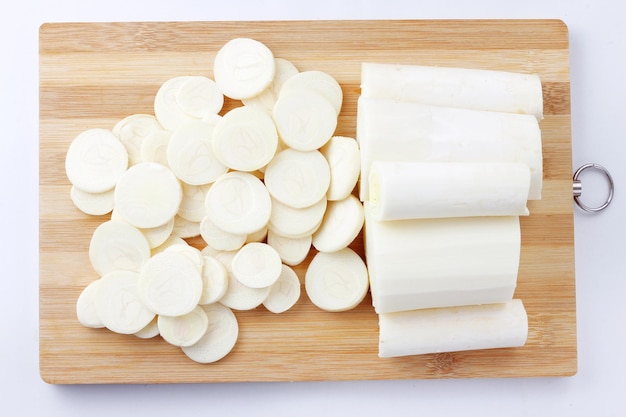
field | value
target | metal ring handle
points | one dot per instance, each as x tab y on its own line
577	188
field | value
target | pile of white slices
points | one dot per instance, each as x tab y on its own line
449	159
446	160
262	184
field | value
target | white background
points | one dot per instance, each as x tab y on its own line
598	88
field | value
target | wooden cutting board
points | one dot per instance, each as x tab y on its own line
93	75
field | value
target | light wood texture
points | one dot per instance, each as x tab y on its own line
92	75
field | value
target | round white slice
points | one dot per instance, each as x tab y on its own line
344	160
239	203
285	292
150	331
170	241
220	337
154	147
190	154
94	204
148	195
119	305
245	139
184	330
342	223
258	236
241	297
292	251
167	110
86	306
336	281
318	81
199	97
220	239
225	257
170	284
305	119
194	254
192	205
265	101
95	160
243	68
298	179
214	281
184	228
156	236
116	245
293	235
133	130
257	265
289	222
208	250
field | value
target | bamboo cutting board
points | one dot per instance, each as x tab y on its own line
93	75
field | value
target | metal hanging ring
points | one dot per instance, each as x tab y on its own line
577	188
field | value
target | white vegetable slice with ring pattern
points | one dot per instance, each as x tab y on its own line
95	160
291	222
292	251
257	265
190	154
214	281
194	254
119	305
184	330
243	68
86	311
154	147
170	283
156	236
192	205
298	179
305	119
342	223
116	245
319	81
184	228
149	331
239	203
148	195
245	139
220	338
220	239
336	281
241	297
166	106
94	204
265	101
133	130
285	292
344	160
199	97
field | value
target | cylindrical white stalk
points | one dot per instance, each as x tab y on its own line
453	329
477	89
431	263
416	190
392	130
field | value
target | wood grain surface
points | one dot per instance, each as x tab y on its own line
94	74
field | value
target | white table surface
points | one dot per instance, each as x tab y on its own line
598	89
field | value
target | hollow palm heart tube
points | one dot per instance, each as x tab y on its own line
430	263
392	130
415	190
453	329
478	89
